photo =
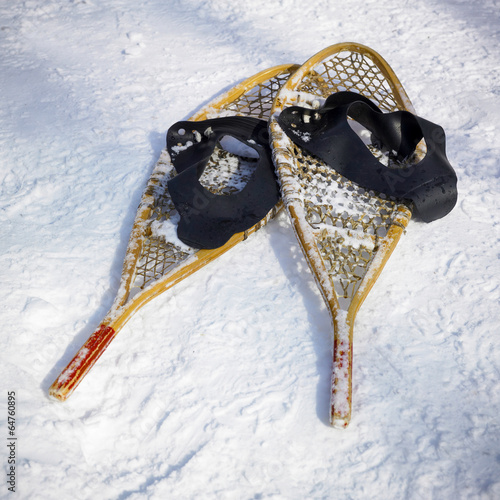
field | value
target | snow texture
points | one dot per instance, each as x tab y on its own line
219	388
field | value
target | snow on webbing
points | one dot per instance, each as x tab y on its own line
347	221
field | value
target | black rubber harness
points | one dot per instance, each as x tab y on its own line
208	220
431	184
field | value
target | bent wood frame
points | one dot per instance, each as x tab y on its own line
284	155
125	306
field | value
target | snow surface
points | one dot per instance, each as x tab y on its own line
219	388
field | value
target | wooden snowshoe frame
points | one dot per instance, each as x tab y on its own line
346	233
154	263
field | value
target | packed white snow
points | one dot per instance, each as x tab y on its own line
219	388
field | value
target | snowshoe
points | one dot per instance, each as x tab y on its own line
352	166
156	257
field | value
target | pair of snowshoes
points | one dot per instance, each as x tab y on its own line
353	162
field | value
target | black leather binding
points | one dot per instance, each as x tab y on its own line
209	220
430	184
